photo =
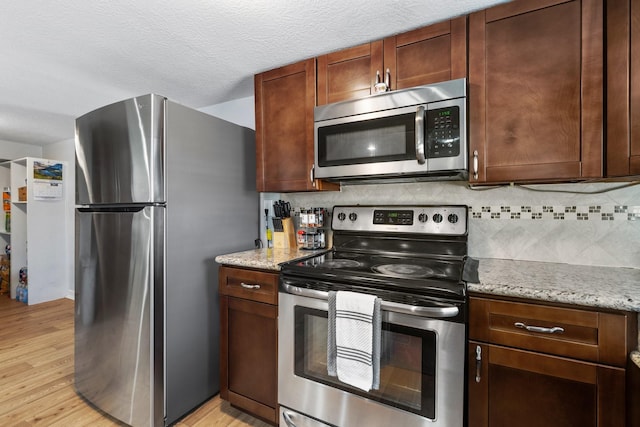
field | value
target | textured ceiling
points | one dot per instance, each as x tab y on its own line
61	59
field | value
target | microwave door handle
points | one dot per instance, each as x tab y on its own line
419	132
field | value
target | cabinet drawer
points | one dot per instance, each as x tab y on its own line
578	333
253	285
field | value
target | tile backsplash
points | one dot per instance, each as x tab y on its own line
584	224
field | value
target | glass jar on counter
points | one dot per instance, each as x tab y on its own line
313	239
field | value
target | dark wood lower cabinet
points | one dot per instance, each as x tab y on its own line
540	364
510	387
249	341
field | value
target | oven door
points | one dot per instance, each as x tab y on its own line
421	378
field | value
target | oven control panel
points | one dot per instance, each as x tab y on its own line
445	219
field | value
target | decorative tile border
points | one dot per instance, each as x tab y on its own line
557	213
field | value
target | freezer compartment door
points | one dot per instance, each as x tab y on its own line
118	335
119	153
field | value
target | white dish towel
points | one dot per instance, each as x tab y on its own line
354	334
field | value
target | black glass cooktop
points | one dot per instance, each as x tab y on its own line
431	276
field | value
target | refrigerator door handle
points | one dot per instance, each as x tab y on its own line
117	209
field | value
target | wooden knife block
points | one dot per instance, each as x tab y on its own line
287	237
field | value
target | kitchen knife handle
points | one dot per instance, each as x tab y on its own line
420	135
248	286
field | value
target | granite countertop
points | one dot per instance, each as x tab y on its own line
265	258
604	287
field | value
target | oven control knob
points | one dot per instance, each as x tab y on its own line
453	218
423	217
353	216
437	218
342	216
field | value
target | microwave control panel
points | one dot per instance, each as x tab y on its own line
443	132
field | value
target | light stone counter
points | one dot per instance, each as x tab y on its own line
265	259
603	287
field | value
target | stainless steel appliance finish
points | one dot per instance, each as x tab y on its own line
411	134
289	418
161	190
338	407
413	258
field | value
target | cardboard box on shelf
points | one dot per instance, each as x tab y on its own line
22	194
5	270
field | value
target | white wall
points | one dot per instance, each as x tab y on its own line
239	111
65	150
14	150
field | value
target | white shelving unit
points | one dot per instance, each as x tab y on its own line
5	181
38	230
5	233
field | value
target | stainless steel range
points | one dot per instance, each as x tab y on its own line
413	259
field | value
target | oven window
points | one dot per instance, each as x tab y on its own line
385	139
407	362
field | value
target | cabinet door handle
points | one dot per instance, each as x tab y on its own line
287	419
311	175
420	135
249	286
387	79
478	362
382	86
540	329
475	164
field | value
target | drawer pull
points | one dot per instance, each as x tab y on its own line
542	330
248	286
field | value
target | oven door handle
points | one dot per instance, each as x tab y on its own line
436	312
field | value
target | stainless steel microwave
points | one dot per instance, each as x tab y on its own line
412	134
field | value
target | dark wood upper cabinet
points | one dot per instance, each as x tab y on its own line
623	88
284	102
431	54
349	73
536	91
427	55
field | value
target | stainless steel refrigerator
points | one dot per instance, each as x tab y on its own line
161	189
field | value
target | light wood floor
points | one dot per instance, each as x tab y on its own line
36	374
